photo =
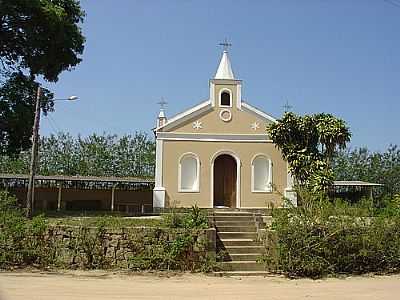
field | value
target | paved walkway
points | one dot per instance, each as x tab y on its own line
100	285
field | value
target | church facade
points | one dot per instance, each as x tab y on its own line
218	153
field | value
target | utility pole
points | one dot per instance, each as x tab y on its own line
34	154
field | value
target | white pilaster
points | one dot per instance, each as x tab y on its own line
239	96
212	93
289	192
159	190
158	197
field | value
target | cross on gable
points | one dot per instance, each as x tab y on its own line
225	44
287	107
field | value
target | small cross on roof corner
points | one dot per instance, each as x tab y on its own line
225	44
287	107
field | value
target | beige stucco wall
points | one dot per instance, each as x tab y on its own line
206	151
213	128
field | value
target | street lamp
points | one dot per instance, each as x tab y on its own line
34	150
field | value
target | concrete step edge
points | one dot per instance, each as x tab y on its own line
238	226
243	247
241	262
240	232
236	240
244	254
242	273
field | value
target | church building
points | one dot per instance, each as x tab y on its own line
218	153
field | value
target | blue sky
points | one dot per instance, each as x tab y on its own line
340	57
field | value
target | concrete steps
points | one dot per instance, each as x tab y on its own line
231	218
240	228
242	266
242	273
244	249
237	237
236	242
244	256
234	223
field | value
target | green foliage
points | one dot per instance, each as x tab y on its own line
17	103
308	144
175	251
88	247
100	243
95	155
38	37
194	218
22	241
322	238
41	36
376	167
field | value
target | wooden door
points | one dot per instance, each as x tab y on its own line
225	181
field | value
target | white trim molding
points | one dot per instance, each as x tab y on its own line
228	118
186	115
239	96
257	112
205	137
268	188
208	105
196	188
230	97
212	93
238	174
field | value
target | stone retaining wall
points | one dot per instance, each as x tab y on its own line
132	248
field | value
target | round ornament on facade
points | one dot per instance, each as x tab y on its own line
225	115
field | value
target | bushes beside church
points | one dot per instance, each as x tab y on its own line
322	238
37	243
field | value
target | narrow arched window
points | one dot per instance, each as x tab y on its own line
261	174
225	99
189	173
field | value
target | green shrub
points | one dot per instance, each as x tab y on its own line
86	243
324	238
22	241
193	219
171	250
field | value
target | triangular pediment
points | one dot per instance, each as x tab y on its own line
206	119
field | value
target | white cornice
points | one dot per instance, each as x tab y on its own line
186	115
257	112
203	108
171	136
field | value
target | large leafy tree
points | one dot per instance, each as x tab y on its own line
16	112
37	38
308	143
41	36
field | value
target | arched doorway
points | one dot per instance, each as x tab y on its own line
225	175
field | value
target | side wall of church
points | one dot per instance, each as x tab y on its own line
245	151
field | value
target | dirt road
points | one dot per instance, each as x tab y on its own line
100	285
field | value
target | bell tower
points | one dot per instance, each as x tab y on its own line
225	90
